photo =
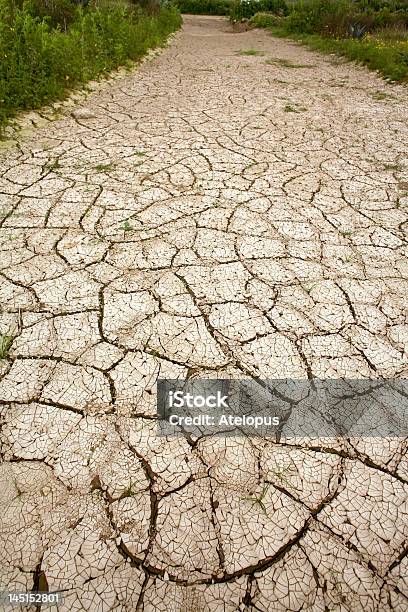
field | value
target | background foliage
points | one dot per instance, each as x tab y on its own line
48	47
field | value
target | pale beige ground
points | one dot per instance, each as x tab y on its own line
209	214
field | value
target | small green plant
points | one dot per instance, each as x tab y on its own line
126	227
382	95
129	491
310	289
260	499
393	167
251	52
287	63
104	167
291	108
54	165
139	153
357	30
6	340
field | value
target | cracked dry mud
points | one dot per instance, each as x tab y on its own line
211	214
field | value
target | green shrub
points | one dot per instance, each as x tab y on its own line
204	7
56	12
266	20
332	17
245	9
323	16
39	63
325	25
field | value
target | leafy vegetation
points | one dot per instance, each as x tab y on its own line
43	54
373	33
251	52
244	9
205	7
6	340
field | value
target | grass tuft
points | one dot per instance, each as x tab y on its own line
5	345
285	63
251	52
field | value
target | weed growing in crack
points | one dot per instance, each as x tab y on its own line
54	165
129	491
393	167
310	289
382	95
139	153
6	340
281	474
285	63
260	499
126	227
104	167
250	52
290	108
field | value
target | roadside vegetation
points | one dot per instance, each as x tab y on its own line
372	32
49	46
205	7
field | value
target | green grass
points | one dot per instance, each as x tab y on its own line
205	7
390	59
105	167
324	25
294	108
126	227
259	499
382	95
285	63
40	64
250	52
5	345
247	8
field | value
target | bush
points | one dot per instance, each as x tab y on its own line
332	17
245	9
39	63
266	20
323	16
56	12
325	25
205	7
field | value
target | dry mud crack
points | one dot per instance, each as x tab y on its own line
212	214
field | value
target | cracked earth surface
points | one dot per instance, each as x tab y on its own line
211	214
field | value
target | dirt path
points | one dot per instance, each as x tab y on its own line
221	213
